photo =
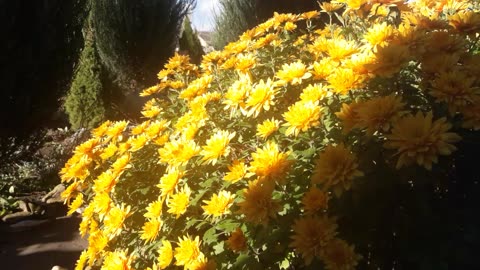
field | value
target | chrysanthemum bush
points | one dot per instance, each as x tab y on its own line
246	160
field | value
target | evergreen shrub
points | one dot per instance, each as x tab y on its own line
312	147
84	104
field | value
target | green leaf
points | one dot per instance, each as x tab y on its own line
228	225
210	236
218	248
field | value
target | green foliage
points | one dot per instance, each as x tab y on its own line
134	38
234	18
190	43
237	16
84	104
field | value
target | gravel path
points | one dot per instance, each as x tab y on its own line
41	246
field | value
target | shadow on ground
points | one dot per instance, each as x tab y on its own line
41	247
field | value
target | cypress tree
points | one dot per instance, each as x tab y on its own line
237	16
135	38
190	42
84	104
234	17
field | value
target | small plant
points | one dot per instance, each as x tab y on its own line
267	153
83	104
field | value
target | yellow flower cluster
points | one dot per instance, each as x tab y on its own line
261	134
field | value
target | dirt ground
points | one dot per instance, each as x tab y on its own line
40	247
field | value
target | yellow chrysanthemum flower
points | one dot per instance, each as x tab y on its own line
88	148
471	116
75	204
82	260
154	209
264	41
389	59
118	260
102	129
188	251
314	200
219	204
114	132
217	146
342	80
177	61
165	254
258	205
138	142
335	168
323	68
169	181
313	93
71	191
289	26
311	235
245	62
77	167
269	163
338	48
337	254
121	164
377	113
151	111
310	15
155	128
455	88
418	139
202	263
349	116
301	116
196	88
109	151
178	202
467	22
267	127
330	6
178	152
293	73
101	203
235	96
379	34
150	229
115	218
261	97
237	241
237	171
97	242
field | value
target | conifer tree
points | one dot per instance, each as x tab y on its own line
237	16
190	43
84	104
135	38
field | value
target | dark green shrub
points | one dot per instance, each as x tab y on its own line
84	104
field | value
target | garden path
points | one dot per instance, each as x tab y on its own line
43	246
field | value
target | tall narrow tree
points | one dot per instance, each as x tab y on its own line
134	38
236	16
41	41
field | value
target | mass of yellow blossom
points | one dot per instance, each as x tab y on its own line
262	137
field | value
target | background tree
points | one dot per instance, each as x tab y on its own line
41	41
236	16
190	43
84	104
135	38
